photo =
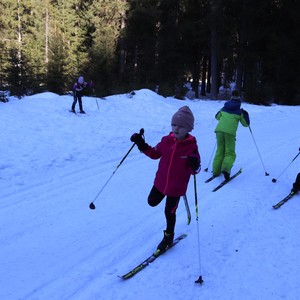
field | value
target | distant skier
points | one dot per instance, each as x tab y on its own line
296	184
179	159
78	89
229	117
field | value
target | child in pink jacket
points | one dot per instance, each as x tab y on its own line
179	159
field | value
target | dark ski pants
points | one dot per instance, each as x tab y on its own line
77	97
155	197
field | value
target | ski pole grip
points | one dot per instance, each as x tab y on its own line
142	131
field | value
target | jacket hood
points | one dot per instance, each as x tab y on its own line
233	106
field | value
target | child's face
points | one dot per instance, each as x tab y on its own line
180	132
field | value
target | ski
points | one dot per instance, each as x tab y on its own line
226	181
210	178
188	212
78	114
150	259
284	200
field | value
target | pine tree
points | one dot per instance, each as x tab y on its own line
107	19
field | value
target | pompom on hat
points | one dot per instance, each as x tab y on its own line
184	117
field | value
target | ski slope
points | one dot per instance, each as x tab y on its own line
54	163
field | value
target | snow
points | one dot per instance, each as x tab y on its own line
54	163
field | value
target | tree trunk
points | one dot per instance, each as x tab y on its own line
214	48
47	38
122	52
241	48
203	76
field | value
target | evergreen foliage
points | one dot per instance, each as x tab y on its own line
124	45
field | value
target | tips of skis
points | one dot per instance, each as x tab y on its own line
284	200
151	258
210	179
226	181
188	212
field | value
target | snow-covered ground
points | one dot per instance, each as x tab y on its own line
54	163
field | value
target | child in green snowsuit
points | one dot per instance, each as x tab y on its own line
229	117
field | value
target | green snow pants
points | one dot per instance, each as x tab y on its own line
225	155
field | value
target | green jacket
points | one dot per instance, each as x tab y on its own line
230	116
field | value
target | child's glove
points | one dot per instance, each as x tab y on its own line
139	141
245	113
193	162
246	116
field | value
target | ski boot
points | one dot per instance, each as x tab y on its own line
166	242
294	190
226	175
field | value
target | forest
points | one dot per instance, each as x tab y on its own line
123	45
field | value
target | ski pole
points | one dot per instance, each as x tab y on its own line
199	280
96	98
274	180
211	157
266	173
92	205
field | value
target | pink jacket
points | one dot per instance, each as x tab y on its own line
173	172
